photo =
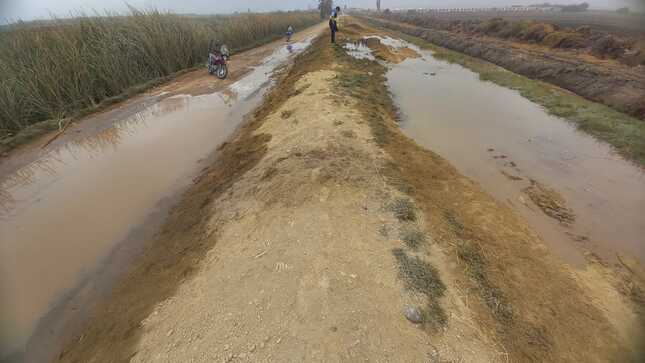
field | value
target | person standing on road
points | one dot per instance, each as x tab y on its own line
290	32
333	23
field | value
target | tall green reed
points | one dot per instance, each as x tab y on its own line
56	68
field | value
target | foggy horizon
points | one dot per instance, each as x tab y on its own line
13	10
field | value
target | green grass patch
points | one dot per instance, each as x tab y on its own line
363	79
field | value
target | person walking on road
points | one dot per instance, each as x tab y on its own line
333	23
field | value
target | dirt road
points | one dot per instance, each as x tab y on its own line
74	213
321	233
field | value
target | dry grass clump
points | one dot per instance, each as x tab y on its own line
403	210
470	253
550	201
53	69
413	237
421	277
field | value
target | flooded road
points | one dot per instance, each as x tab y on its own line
503	141
63	215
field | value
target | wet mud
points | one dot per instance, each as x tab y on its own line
74	217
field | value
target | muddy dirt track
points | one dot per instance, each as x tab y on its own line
128	166
320	232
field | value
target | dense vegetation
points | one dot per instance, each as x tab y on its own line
53	69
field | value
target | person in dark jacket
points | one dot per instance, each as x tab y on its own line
333	23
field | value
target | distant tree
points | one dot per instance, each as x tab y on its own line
624	10
378	5
576	8
325	8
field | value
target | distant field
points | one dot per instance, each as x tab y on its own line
53	69
605	20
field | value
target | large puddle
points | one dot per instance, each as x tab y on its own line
62	216
500	139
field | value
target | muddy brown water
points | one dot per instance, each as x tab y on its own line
65	216
495	136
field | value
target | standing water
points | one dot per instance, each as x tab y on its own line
63	216
503	141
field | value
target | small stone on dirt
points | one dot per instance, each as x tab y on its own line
413	314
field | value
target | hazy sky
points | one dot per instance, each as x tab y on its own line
30	9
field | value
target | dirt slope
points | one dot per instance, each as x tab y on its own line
320	224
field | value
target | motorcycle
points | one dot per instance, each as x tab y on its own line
217	61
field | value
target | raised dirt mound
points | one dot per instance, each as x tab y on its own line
598	43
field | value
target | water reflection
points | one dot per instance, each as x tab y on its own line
490	133
50	165
62	214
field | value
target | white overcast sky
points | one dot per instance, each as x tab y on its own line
33	9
